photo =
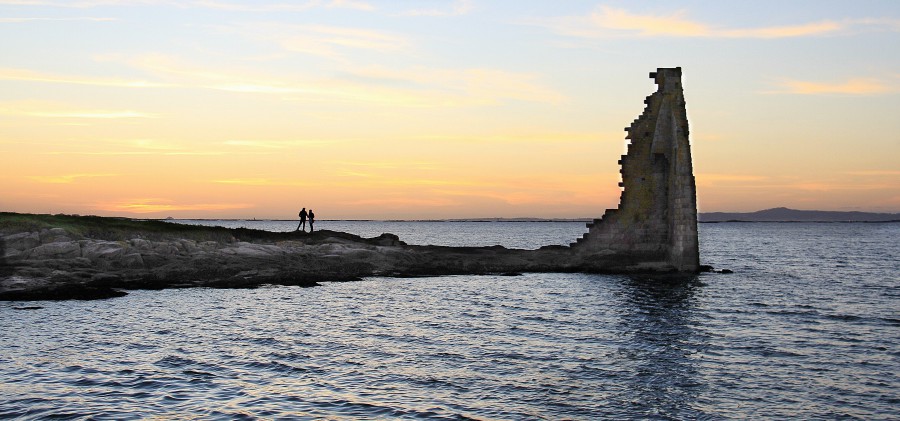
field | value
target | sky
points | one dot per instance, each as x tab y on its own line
365	109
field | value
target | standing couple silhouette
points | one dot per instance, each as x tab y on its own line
303	217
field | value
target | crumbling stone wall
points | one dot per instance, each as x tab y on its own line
655	225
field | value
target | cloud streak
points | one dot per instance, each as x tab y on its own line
279	144
459	8
33	76
678	25
66	179
262	7
90	114
63	19
40	109
609	22
333	42
263	182
413	87
156	205
853	86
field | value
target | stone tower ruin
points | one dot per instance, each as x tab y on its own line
655	225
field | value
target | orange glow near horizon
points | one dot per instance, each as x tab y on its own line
386	112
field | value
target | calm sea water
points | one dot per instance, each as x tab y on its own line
807	327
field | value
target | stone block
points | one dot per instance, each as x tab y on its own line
54	235
132	261
58	250
22	241
97	250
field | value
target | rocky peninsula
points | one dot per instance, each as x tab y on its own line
653	230
85	257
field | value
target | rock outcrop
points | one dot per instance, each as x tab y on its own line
655	225
61	265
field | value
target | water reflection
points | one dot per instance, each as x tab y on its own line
658	347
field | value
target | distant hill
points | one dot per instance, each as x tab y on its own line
794	215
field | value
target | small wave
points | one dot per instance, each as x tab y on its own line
198	373
844	317
175	398
537	319
777	353
267	341
273	366
174	361
364	409
793	313
88	382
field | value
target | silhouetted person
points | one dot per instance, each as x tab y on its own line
312	220
303	216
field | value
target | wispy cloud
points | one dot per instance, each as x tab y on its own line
156	205
606	21
787	184
33	76
261	6
678	25
820	186
101	114
411	87
137	153
280	144
86	4
42	110
262	182
66	179
351	4
458	8
532	137
388	165
61	19
875	173
467	86
711	179
853	86
256	6
324	40
404	202
130	147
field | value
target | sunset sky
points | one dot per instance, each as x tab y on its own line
437	109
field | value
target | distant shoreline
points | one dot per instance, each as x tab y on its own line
794	215
767	215
799	222
585	220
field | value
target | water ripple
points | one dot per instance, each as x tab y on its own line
786	336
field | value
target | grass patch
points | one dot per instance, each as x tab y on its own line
109	228
122	229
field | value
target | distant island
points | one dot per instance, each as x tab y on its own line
794	215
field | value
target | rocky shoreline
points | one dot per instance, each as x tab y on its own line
56	257
92	257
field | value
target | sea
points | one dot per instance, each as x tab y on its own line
806	327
